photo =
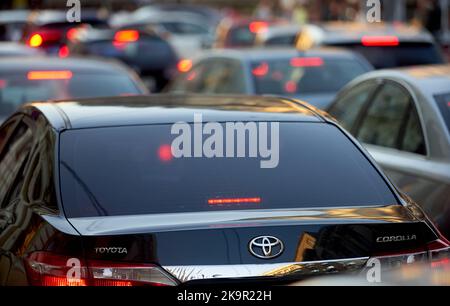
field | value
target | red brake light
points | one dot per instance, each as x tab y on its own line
72	34
306	62
165	153
126	36
184	65
380	41
290	87
64	52
35	40
258	26
261	70
50	75
234	201
47	269
2	84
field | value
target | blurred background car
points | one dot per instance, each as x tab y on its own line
152	57
284	35
17	49
239	32
314	76
44	78
12	24
403	118
383	45
184	31
49	30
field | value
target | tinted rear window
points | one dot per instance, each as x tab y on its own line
406	54
17	89
120	171
443	102
304	75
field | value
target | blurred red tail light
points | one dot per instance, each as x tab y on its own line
380	41
47	269
37	39
258	26
64	52
50	75
184	65
306	62
126	36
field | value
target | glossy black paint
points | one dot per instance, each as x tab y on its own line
34	219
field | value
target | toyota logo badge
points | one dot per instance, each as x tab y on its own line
266	247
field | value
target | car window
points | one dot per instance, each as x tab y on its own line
413	140
190	81
19	88
382	122
130	170
405	54
184	28
230	79
349	105
13	155
293	75
443	102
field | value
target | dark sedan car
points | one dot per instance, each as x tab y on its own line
143	50
95	192
384	45
44	78
49	30
314	76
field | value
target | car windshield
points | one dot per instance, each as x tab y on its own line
19	88
405	54
304	75
443	102
130	170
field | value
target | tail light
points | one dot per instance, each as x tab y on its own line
37	39
184	65
64	52
258	26
380	41
50	75
126	36
47	269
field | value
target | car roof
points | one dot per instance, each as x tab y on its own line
258	54
280	29
430	79
168	109
85	65
14	48
340	32
43	17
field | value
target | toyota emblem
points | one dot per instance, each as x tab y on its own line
266	247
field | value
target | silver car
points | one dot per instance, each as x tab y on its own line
403	117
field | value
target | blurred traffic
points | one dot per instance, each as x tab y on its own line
386	82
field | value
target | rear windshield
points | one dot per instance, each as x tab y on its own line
129	170
241	37
443	102
405	54
16	89
300	75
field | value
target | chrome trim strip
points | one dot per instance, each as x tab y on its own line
113	225
199	272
